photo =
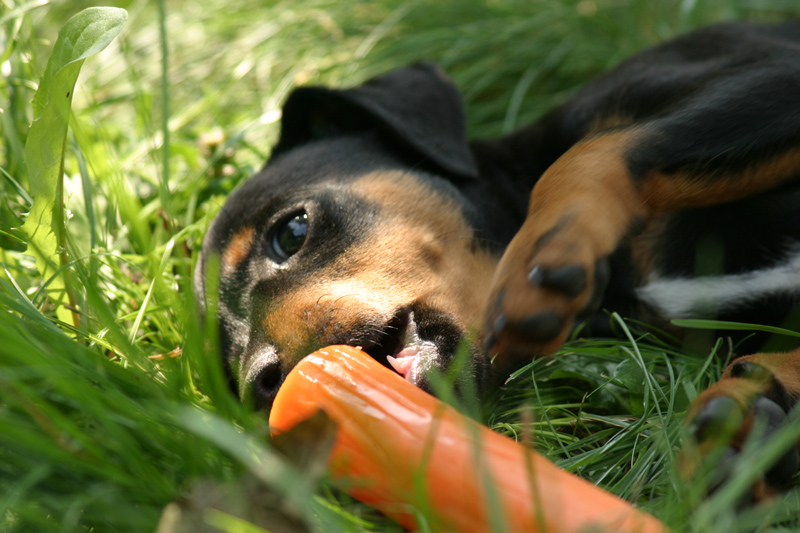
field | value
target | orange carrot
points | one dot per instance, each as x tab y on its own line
398	448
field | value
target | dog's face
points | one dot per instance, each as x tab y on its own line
339	240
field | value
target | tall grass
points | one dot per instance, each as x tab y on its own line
121	419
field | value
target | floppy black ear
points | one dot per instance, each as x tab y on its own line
417	108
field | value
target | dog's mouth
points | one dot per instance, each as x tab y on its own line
403	350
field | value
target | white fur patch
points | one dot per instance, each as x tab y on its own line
707	296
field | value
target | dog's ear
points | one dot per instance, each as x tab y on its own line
417	109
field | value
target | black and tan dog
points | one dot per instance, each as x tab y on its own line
376	223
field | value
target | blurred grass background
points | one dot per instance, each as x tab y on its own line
105	422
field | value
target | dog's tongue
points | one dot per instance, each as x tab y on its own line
407	364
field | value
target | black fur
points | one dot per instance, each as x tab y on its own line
718	100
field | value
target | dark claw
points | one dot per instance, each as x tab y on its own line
499	325
536	276
570	280
748	370
542	327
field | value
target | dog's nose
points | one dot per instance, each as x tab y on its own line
262	381
265	385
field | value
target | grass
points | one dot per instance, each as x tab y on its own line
113	407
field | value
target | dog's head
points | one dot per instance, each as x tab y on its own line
363	229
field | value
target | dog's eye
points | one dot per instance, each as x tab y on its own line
290	236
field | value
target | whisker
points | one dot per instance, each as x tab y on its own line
465	230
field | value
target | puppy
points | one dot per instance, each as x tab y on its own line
377	224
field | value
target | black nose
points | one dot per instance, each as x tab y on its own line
261	382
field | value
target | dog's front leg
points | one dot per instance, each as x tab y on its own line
556	267
602	191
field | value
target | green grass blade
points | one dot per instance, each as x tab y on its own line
19	189
84	35
739	326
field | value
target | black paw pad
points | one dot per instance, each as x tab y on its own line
720	418
542	327
748	370
570	279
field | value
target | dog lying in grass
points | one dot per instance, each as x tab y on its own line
377	224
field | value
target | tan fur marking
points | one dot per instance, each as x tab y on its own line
607	122
785	368
426	240
419	251
668	192
592	182
238	248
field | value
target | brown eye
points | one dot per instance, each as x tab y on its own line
290	236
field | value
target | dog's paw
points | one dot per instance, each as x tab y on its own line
538	296
556	267
743	410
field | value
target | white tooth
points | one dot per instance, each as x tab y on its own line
395	364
